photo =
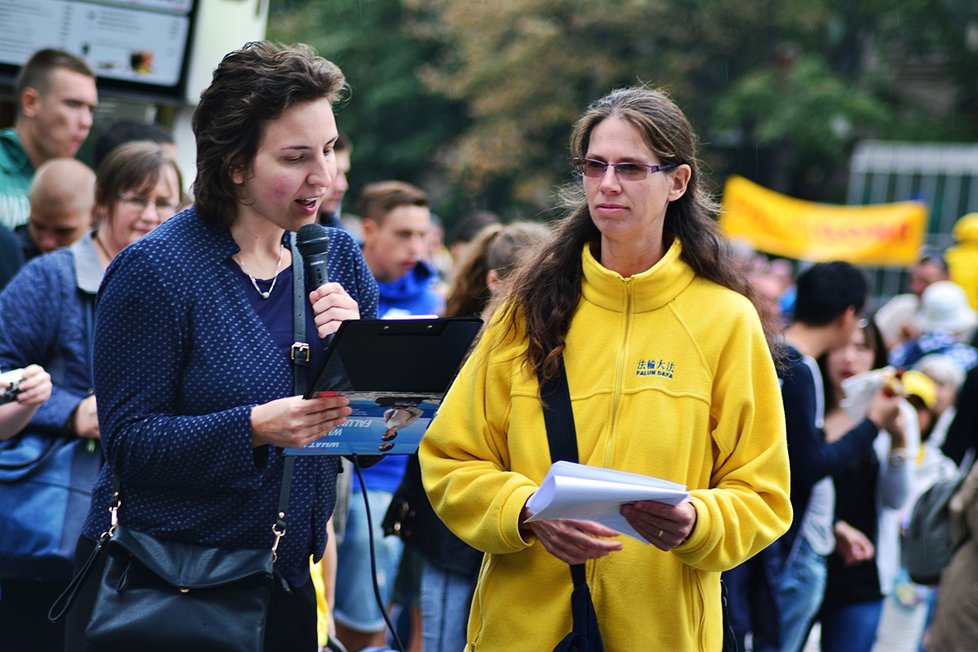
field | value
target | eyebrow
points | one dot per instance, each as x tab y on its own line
625	159
331	141
80	99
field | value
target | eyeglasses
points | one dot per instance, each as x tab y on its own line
139	203
593	169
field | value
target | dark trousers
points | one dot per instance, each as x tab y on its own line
24	624
291	623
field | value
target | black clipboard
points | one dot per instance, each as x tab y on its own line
395	373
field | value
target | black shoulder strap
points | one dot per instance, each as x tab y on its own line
88	318
300	348
559	417
562	438
300	361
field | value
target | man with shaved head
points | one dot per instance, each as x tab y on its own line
62	197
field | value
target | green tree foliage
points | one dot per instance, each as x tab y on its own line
803	116
482	94
528	67
394	122
848	74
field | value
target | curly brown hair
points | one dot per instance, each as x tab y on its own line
251	86
547	288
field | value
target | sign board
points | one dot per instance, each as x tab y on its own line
135	47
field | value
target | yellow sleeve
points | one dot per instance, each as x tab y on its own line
747	506
465	455
322	607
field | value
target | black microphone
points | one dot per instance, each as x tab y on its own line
313	243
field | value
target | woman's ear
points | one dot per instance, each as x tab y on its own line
680	180
238	172
493	282
99	213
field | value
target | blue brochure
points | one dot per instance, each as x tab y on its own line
395	373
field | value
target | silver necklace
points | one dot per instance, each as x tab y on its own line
254	281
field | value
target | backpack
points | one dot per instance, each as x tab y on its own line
926	545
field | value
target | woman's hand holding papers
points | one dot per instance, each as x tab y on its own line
570	541
664	526
293	422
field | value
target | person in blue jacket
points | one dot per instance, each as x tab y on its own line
396	219
47	318
194	330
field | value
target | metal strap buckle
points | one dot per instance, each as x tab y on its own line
299	349
278	529
114	514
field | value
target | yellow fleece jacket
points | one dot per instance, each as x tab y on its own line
670	376
962	258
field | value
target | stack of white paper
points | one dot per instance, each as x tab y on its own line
590	493
859	391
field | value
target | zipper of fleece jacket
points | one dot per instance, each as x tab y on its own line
619	375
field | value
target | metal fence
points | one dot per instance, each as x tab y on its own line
942	175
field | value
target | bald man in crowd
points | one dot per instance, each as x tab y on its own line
62	197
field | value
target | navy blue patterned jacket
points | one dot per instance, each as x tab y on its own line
181	358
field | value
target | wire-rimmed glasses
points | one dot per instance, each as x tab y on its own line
626	171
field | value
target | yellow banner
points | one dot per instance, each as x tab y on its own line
880	234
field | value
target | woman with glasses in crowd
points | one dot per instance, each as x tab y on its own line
47	317
670	375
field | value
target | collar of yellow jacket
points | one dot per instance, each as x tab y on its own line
648	290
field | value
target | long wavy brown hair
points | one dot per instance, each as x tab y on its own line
547	288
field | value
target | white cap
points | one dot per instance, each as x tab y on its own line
944	306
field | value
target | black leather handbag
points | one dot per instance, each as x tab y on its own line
156	595
163	595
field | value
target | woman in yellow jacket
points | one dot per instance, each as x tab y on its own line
962	258
670	375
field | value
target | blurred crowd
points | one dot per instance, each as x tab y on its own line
924	339
872	456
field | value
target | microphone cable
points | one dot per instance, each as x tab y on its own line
373	557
